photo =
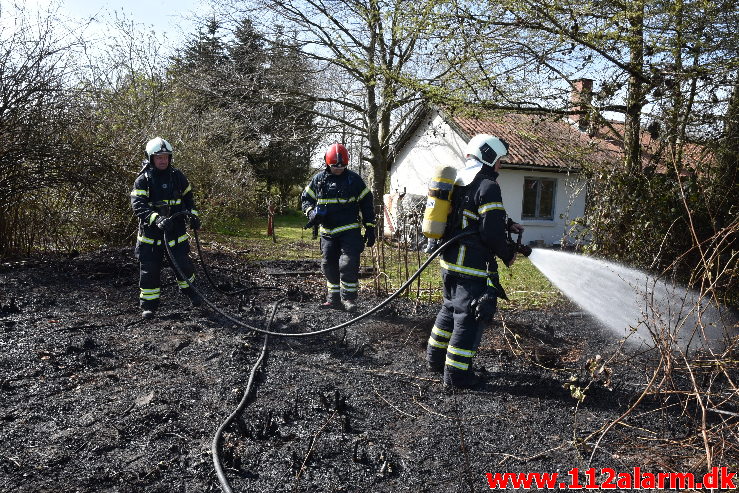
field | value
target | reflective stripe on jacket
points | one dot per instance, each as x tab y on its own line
169	188
478	206
344	196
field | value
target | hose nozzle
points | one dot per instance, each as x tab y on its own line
523	249
520	248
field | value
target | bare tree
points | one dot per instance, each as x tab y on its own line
368	53
35	114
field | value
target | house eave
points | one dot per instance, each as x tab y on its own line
533	167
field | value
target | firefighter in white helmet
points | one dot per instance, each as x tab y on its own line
469	267
160	191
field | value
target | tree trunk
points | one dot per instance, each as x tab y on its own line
728	162
635	96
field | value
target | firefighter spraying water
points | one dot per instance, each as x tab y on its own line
628	302
468	202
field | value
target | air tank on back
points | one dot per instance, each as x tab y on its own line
438	202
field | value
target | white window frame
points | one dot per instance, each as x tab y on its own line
537	215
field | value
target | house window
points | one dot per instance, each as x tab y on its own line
538	198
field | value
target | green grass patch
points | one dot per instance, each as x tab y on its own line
249	237
526	287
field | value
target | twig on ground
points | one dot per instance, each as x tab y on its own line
310	449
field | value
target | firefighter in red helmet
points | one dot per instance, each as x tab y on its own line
334	200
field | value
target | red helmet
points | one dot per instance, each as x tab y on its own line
336	155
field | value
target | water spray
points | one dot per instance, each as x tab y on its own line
630	303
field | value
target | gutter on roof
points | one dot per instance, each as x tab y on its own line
531	167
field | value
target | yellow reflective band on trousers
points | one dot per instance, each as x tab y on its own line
150	294
333	288
349	286
457	364
433	342
461	352
439	338
442	333
454	354
186	283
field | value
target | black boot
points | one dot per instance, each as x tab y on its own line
332	302
350	305
195	299
460	379
435	366
148	309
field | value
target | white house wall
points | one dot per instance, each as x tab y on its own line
569	204
435	144
430	146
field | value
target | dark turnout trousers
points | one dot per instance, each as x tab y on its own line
456	334
150	267
340	264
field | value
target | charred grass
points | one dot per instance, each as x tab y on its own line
94	399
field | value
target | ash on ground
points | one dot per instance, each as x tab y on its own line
94	399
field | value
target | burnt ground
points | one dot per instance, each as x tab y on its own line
94	399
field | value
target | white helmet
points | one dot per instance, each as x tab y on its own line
487	148
158	145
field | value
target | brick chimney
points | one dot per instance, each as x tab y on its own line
581	98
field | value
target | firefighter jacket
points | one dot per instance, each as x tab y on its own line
161	193
344	196
477	206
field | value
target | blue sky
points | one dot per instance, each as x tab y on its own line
173	18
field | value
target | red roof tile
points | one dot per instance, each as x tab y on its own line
554	142
541	140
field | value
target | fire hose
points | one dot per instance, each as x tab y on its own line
354	320
443	246
267	332
214	448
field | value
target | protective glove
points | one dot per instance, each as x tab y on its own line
195	222
315	216
513	227
484	306
369	237
431	245
165	224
